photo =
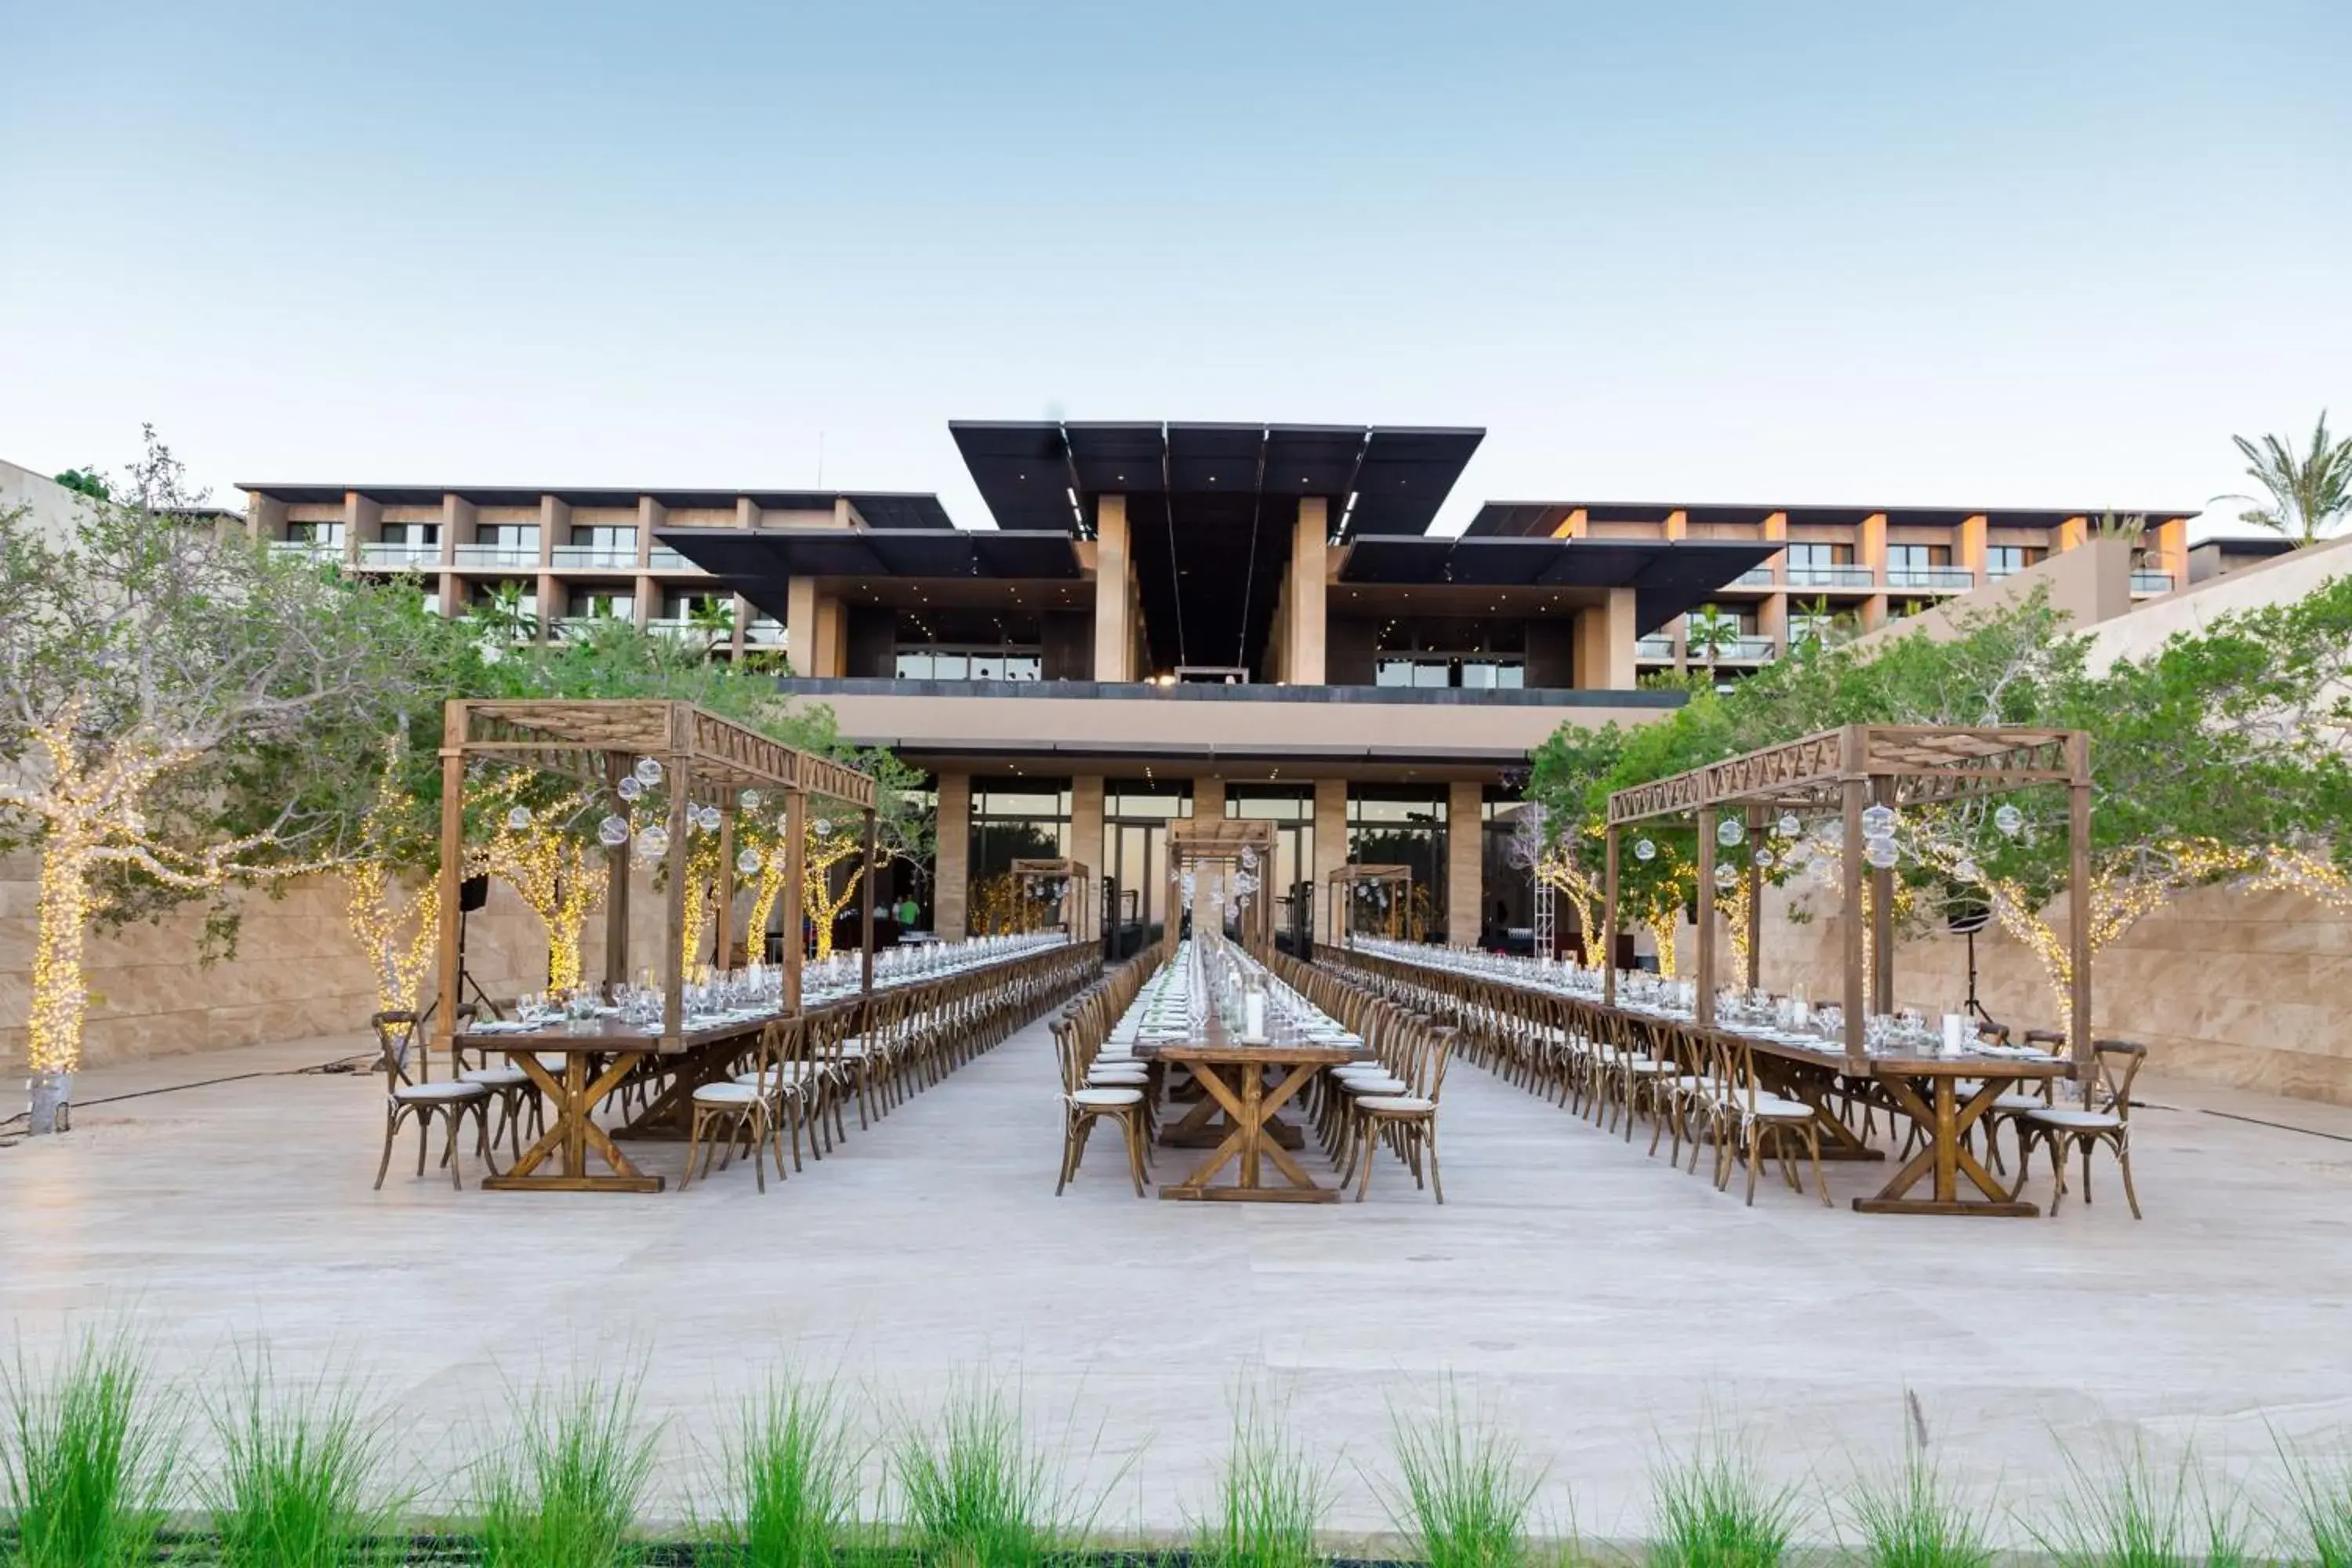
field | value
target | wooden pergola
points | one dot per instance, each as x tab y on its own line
1075	879
1850	769
1224	845
1339	885
706	761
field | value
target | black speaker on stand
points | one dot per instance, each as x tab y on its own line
473	893
1970	917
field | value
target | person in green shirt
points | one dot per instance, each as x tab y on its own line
908	911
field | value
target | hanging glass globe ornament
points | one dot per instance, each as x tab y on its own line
748	800
709	817
2008	818
613	831
1878	821
824	827
1966	872
649	772
1788	826
629	788
653	842
1729	832
748	862
1726	877
1879	852
1764	859
1832	833
519	818
1644	850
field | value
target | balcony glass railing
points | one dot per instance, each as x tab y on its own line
504	557
1653	648
1746	650
308	549
401	557
665	559
593	558
676	627
764	634
1832	577
1942	579
1754	577
2151	583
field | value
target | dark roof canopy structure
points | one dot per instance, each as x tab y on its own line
759	563
1668	577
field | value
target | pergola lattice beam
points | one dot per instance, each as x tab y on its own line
1926	763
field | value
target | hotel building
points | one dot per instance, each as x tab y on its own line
1179	619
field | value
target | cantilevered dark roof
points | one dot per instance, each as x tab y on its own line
1380	479
1667	577
880	509
1545	518
758	563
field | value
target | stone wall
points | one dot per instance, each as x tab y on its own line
298	972
2248	989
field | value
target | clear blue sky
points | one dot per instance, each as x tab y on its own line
2049	253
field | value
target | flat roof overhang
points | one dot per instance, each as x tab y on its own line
759	563
1547	519
891	509
1668	576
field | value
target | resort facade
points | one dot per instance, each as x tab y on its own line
1170	620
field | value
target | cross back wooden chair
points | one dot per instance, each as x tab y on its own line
1084	1105
422	1100
743	1113
2105	1120
1754	1116
1408	1121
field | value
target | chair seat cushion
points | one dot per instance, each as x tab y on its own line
1772	1108
495	1078
2020	1102
1118	1077
1107	1097
436	1093
1374	1087
727	1094
771	1079
1405	1102
2075	1120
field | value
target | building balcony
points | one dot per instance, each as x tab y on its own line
665	559
764	634
1654	651
401	557
498	557
2151	582
1755	578
1851	578
593	558
1934	579
307	549
678	626
1748	651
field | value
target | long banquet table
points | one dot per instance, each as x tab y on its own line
1945	1096
600	1054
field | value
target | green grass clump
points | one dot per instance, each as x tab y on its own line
1913	1520
975	1492
2133	1516
567	1493
792	1470
1270	1503
1713	1511
1465	1490
86	1469
2320	1498
293	1488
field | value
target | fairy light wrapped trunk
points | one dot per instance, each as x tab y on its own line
708	769
1861	772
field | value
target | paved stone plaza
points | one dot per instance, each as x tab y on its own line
1604	1305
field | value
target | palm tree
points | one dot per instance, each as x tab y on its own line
503	615
714	618
1710	634
2307	495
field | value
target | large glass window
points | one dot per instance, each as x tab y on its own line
590	604
2007	560
1918	557
1403	825
411	533
1133	871
1821	555
1291	882
1012	819
315	533
1436	651
511	535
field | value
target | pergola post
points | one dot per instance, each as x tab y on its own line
866	913
723	942
1882	915
795	894
1707	922
673	960
616	886
1608	933
453	862
1849	872
2078	902
1755	932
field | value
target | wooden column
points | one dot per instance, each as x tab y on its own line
795	894
723	942
616	884
1705	1000
2078	901
1754	899
866	913
1608	935
1882	916
673	955
1850	870
452	866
